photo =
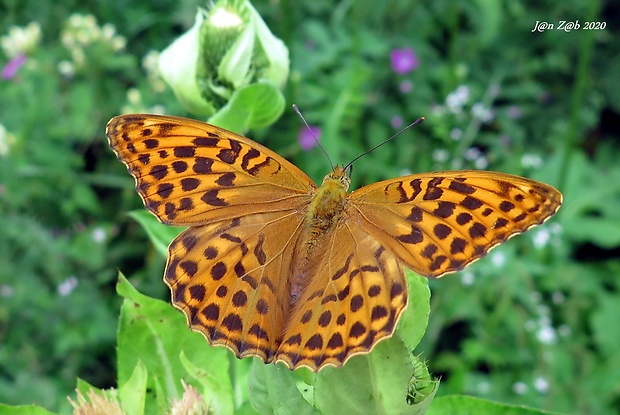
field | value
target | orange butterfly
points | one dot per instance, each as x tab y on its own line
276	267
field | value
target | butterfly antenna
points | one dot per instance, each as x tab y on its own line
313	136
350	165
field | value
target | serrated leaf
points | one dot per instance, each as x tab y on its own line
273	391
374	383
154	332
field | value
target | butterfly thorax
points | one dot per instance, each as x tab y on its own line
327	203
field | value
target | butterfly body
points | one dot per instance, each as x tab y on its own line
273	266
328	203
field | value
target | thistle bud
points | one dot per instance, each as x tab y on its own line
227	53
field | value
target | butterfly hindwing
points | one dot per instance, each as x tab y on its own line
355	295
229	278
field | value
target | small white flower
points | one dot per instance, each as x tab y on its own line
457	99
547	335
462	92
76	19
89	21
67	286
541	237
150	62
557	297
481	163
483	387
440	155
157	109
456	134
484	114
520	388
541	384
108	31
7	139
21	40
529	160
133	96
555	228
119	43
472	153
66	68
6	291
498	258
564	330
467	278
99	235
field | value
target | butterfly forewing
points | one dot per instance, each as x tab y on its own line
188	172
438	223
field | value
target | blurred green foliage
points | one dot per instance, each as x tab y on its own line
534	323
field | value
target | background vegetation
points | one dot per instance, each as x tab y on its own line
534	323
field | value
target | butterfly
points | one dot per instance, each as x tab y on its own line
274	266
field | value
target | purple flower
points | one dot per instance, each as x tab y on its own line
404	60
514	111
308	137
396	121
11	68
405	86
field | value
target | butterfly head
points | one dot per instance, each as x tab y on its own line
340	175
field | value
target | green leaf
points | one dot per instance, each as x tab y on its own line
274	391
414	320
219	390
250	107
469	405
605	317
153	332
373	383
132	394
24	410
604	232
161	235
84	386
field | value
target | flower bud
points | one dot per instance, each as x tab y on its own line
228	50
